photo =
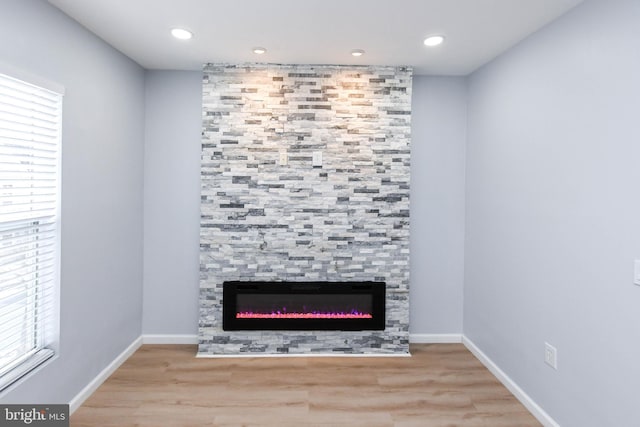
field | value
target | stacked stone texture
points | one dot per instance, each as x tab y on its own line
346	220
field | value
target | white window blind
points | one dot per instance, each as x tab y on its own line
30	124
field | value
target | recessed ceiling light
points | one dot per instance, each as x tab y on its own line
259	50
181	33
433	41
357	52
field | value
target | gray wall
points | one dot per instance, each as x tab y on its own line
172	201
173	123
553	221
439	125
102	149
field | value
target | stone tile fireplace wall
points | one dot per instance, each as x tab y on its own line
347	219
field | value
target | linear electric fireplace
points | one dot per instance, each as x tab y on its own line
346	306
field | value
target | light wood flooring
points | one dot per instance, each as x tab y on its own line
166	386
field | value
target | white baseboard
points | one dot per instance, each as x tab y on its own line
413	338
193	339
435	338
169	339
84	394
523	397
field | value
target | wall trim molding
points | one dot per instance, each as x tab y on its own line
93	385
435	338
169	339
511	385
193	339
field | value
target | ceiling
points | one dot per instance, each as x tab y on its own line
315	32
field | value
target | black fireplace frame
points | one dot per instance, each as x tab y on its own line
230	290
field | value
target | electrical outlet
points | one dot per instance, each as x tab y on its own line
550	355
636	272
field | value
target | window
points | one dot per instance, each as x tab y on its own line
30	122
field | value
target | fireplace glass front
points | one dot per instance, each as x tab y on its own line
303	305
